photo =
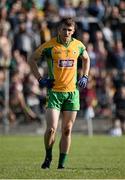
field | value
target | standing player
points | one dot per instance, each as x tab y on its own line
62	54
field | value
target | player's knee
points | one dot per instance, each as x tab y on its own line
51	131
67	131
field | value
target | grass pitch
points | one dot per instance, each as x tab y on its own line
99	157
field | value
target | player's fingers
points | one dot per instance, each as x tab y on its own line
80	83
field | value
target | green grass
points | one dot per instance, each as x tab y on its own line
99	157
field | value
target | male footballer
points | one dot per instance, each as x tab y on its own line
62	54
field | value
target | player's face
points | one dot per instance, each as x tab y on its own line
66	32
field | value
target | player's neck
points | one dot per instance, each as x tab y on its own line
65	41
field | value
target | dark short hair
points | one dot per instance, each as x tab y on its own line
68	22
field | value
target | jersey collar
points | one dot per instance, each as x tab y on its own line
64	44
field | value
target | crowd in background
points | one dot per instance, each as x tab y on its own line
25	24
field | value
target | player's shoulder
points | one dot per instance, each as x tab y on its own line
78	42
45	46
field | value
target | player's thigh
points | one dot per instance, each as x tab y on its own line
72	102
68	118
52	117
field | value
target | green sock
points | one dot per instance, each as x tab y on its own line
49	153
62	159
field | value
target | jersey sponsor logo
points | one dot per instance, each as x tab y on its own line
66	63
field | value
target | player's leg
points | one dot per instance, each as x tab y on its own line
52	116
65	142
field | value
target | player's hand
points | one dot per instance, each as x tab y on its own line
46	82
83	81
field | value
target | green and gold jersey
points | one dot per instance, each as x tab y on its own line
62	62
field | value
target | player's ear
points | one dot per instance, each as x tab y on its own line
73	31
75	28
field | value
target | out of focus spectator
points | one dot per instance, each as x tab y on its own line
92	55
102	91
2	94
108	35
85	38
81	15
101	53
122	8
18	104
15	15
33	96
67	10
4	24
45	32
119	100
114	2
115	20
50	11
97	9
26	42
119	55
81	10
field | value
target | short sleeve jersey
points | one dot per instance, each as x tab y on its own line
62	62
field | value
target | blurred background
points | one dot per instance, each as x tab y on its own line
24	25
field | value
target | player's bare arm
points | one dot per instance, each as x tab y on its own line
43	82
85	66
86	63
32	60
